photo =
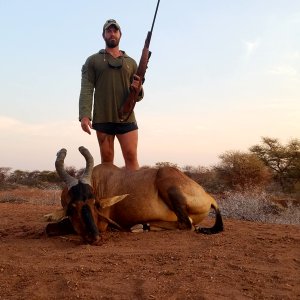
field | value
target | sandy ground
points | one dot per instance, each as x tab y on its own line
247	261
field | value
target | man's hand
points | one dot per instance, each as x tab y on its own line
136	83
86	125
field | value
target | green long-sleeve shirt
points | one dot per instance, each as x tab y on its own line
104	88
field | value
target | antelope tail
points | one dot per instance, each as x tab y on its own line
217	227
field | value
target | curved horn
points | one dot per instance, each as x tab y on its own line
62	173
86	177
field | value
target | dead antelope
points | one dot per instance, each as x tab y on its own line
107	196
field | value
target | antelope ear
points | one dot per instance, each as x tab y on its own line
106	202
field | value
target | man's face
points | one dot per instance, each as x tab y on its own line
112	36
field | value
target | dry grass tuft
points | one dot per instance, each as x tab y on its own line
256	205
25	194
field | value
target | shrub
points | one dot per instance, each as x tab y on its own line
238	171
283	160
165	164
206	177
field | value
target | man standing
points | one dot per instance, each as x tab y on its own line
107	77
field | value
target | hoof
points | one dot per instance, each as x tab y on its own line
140	228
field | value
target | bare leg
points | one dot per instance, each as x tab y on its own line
128	142
106	144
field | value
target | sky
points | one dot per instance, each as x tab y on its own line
222	75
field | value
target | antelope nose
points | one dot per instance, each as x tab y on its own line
96	241
92	239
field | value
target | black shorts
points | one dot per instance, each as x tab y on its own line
115	128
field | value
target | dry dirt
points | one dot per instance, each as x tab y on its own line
247	261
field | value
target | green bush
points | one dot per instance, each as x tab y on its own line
239	171
283	160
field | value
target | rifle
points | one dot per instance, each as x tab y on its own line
128	105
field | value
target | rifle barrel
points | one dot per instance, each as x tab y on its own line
154	16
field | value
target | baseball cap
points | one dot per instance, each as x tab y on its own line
109	23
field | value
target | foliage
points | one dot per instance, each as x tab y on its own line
284	161
239	170
71	170
165	164
4	173
206	177
33	178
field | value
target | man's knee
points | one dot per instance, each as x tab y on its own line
131	162
107	155
130	155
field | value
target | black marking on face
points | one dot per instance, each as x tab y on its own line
90	226
80	211
81	192
77	193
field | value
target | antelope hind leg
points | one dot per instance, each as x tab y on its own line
156	226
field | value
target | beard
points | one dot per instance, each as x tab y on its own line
112	43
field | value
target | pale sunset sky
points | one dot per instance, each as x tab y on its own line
222	74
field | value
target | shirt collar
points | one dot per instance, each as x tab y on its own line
102	51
